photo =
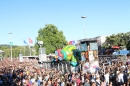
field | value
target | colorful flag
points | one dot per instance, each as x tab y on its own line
24	42
30	41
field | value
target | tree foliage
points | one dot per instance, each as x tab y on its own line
51	37
120	39
16	50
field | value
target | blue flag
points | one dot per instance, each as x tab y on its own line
24	42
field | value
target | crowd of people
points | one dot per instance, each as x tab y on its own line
29	73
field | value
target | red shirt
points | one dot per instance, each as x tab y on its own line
78	81
29	84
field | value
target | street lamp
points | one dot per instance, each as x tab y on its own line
84	25
40	43
10	45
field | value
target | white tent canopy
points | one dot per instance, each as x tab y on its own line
1	51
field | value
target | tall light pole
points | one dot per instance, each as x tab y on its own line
10	45
84	25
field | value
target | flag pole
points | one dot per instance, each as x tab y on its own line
24	50
29	49
24	47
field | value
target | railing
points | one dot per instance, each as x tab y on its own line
103	59
63	66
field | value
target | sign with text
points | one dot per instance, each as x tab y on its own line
11	43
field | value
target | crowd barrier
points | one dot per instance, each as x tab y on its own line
63	66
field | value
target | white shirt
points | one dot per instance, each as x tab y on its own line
123	66
33	80
98	81
97	75
58	80
63	83
120	77
106	76
82	78
23	80
40	78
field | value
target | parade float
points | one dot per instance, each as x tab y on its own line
68	53
87	49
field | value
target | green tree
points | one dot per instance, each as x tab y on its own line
120	39
128	45
127	38
51	37
16	50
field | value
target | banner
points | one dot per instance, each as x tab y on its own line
83	47
86	66
95	64
91	57
91	67
93	46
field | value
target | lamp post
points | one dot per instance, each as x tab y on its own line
10	45
84	25
40	43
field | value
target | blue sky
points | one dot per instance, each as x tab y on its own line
25	17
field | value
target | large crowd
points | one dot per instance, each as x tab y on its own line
29	73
